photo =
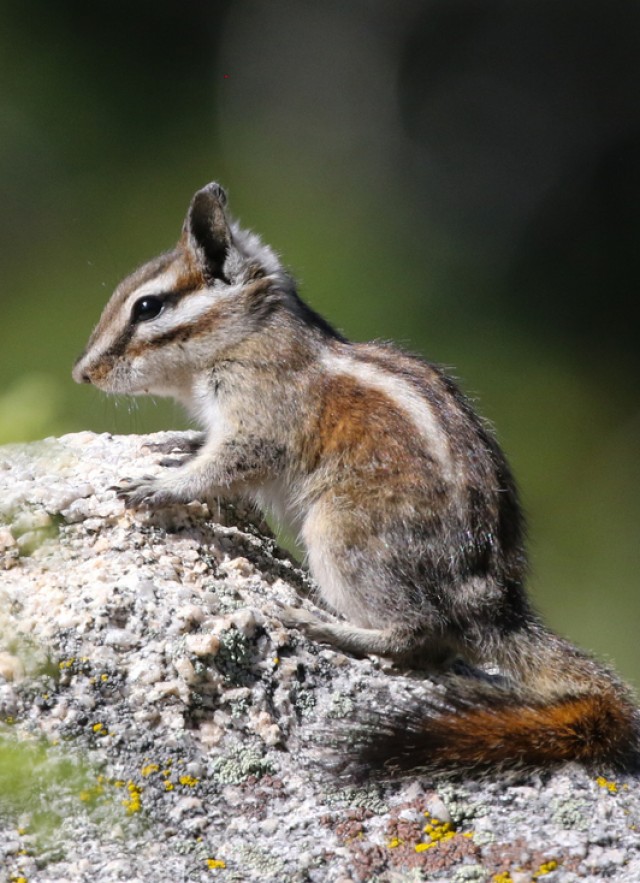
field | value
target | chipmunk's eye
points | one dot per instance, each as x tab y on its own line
146	308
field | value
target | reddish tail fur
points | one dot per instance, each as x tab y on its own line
594	729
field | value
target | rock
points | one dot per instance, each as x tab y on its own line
11	667
172	728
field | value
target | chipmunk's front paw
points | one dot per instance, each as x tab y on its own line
147	492
177	444
181	449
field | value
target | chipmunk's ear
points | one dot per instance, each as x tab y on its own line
206	229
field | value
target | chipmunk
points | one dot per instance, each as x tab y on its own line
398	491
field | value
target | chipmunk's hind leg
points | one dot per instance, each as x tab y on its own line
356	579
396	642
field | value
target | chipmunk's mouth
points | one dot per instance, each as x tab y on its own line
101	375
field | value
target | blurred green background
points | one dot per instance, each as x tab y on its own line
462	177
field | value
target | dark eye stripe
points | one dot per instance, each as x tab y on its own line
119	346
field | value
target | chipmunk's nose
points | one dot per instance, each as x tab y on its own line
80	374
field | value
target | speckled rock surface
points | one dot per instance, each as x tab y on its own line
174	729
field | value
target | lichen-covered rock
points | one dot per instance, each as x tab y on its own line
158	723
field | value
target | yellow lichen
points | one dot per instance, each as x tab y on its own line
545	868
437	831
394	843
168	786
608	784
189	781
215	863
504	877
149	768
133	803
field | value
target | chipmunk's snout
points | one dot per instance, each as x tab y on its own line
81	376
80	371
99	375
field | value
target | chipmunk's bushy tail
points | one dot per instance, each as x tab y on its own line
562	706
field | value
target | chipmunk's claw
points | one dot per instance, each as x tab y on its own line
145	492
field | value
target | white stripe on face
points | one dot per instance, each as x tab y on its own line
187	310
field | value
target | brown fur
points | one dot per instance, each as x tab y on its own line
596	730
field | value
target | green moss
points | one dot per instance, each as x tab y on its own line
34	660
366	797
461	807
36	782
32	529
571	813
239	764
262	861
470	872
233	660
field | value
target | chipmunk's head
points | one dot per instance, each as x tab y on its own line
175	315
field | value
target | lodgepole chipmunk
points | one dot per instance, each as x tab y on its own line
398	491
